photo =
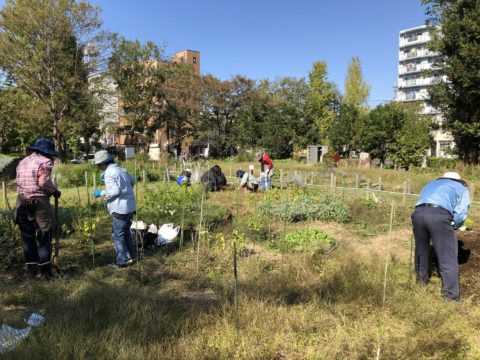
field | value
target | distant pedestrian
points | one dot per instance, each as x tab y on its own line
33	212
121	206
441	209
336	159
247	181
266	170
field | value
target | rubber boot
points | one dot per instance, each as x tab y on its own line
32	270
46	271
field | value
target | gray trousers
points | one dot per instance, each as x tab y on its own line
435	224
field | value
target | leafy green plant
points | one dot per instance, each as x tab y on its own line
305	239
303	207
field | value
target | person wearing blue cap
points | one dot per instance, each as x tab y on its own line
33	212
441	209
121	206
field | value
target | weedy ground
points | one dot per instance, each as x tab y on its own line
181	304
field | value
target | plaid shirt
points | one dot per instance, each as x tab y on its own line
33	176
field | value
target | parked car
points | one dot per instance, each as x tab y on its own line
83	159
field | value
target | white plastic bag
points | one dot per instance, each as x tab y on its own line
166	234
10	337
138	225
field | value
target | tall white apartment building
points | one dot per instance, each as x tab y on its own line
414	58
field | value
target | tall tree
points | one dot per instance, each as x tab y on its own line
137	71
455	26
182	99
323	98
42	49
357	90
21	119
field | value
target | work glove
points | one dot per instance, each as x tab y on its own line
97	193
56	194
102	177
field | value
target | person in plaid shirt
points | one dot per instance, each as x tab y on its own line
33	212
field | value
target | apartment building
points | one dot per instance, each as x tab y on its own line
414	58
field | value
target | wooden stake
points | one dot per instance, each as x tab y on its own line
4	192
380	183
392	212
357	181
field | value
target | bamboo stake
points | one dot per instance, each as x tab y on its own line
90	219
235	274
199	232
392	212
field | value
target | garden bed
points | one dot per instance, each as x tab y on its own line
469	251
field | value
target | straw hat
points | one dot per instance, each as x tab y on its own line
454	176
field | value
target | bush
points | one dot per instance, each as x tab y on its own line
69	175
10	245
442	163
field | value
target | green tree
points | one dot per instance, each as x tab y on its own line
344	128
378	130
21	119
42	49
455	26
414	138
181	92
225	104
323	99
138	74
357	90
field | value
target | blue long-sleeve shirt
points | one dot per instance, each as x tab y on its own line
119	190
450	195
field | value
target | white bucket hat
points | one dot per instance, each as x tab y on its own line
454	176
102	157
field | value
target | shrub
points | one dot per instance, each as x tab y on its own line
69	175
10	245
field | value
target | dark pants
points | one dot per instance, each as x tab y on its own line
436	224
35	218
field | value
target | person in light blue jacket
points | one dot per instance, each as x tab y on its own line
121	206
441	209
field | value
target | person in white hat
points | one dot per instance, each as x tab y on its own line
441	209
121	206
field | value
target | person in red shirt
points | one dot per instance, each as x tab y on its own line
266	170
33	212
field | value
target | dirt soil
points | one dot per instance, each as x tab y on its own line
469	251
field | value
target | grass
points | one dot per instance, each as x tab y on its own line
290	306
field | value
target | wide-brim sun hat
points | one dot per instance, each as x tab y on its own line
44	146
454	176
102	156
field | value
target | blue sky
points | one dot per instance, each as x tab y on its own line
270	39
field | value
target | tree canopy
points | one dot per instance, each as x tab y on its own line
455	26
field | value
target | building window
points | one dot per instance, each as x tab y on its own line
194	59
410	95
182	59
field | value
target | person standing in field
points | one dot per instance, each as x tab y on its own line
121	206
441	209
33	212
266	170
